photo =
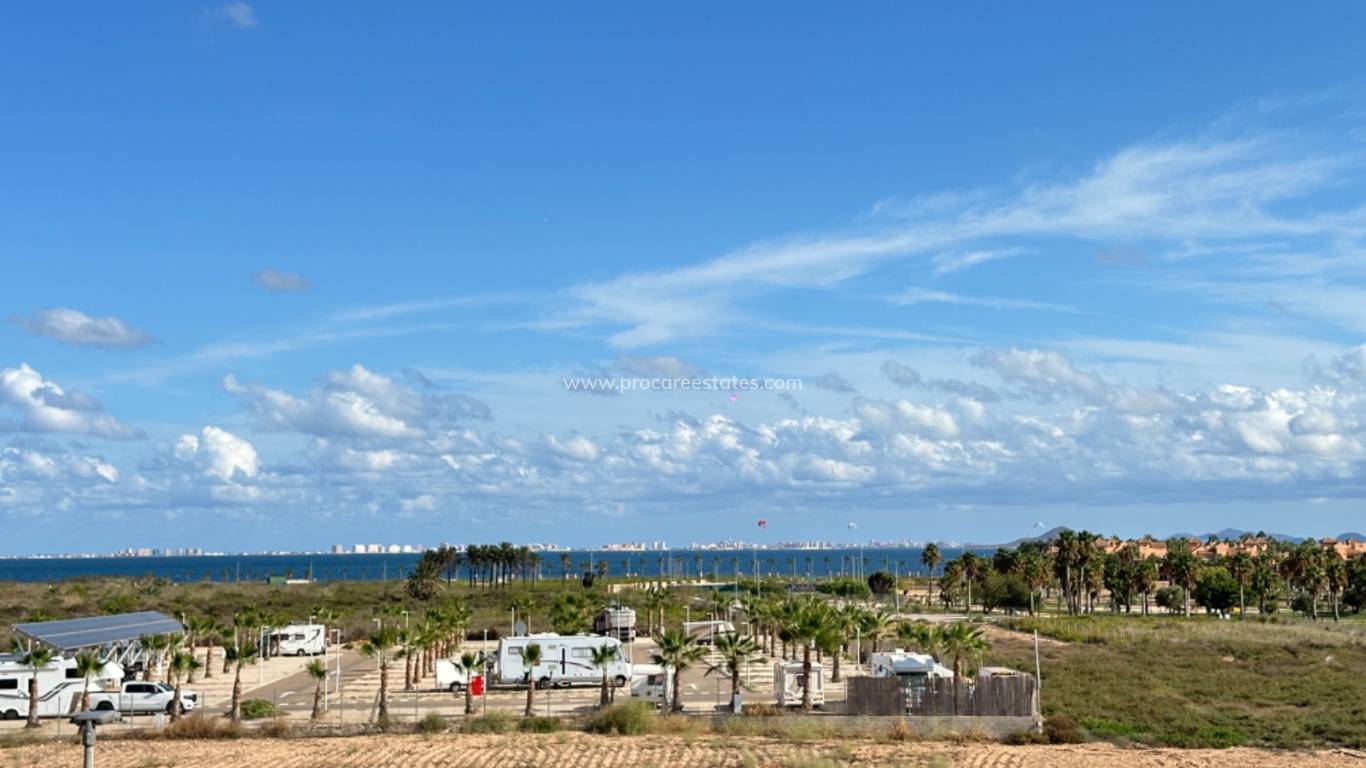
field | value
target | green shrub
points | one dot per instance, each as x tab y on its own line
432	723
539	724
256	709
493	722
629	719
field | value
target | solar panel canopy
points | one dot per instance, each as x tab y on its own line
72	634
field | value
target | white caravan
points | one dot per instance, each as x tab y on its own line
652	683
705	632
59	686
788	682
565	660
914	670
299	640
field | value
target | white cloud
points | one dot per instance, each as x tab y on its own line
218	453
281	282
47	407
360	403
912	296
238	14
75	327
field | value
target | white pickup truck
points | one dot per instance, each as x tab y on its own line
138	696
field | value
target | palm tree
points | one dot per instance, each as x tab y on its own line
470	663
565	562
736	652
1240	568
35	659
601	657
654	601
531	656
809	624
182	664
380	643
920	634
521	608
152	646
960	639
88	666
677	652
317	670
238	656
930	557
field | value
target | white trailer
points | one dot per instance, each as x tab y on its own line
652	683
705	632
299	640
914	670
789	681
565	660
59	686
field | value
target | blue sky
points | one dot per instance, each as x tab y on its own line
279	275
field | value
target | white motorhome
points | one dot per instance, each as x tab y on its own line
299	640
618	622
59	686
914	670
652	683
788	682
450	676
705	632
565	660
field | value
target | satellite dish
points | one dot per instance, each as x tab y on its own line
519	629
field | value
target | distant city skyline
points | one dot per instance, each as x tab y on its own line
948	272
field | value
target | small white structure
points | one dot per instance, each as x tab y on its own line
59	686
789	682
652	683
300	640
565	660
705	632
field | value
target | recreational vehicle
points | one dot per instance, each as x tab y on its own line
565	660
705	632
619	622
652	683
788	682
299	640
59	686
452	677
914	670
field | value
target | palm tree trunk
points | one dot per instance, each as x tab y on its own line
734	685
175	701
806	678
676	705
469	698
602	698
383	714
1242	603
236	711
530	697
317	701
208	661
85	695
32	701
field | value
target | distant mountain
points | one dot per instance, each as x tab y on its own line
1232	534
1351	537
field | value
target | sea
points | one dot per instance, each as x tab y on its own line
681	563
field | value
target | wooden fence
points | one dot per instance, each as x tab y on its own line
1008	696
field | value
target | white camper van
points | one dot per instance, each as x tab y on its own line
59	686
450	676
652	683
705	632
914	670
788	682
299	640
565	660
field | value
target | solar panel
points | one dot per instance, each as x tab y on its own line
71	634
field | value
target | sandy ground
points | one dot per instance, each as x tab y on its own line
573	749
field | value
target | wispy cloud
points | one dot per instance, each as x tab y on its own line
238	14
281	282
75	327
912	296
946	263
